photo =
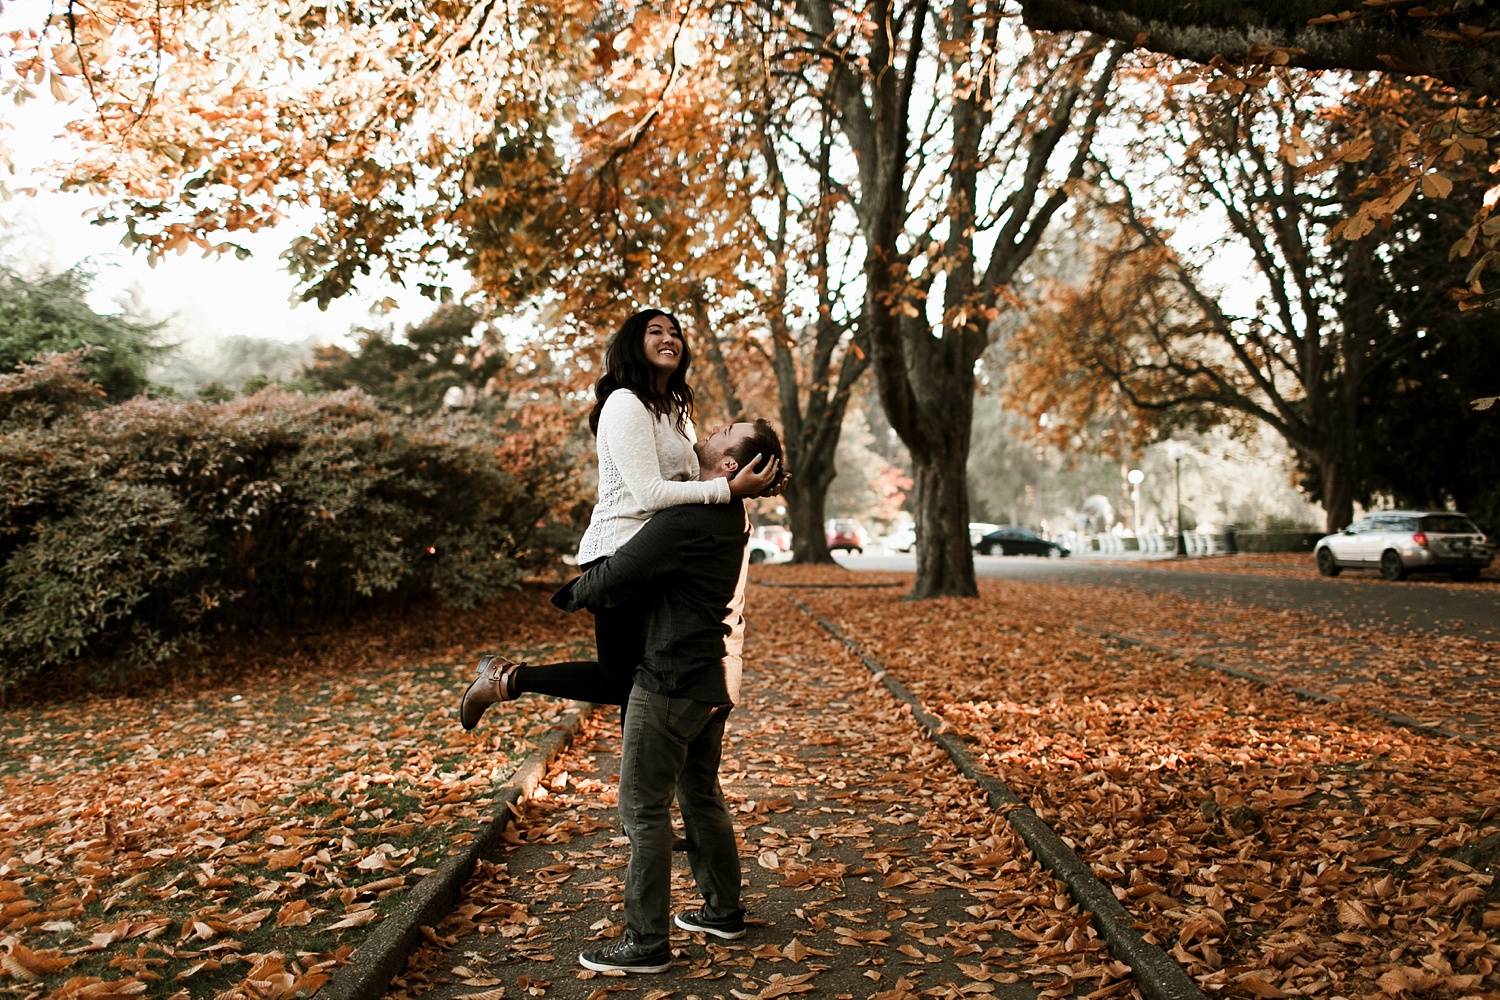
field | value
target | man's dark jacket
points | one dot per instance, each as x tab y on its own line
688	563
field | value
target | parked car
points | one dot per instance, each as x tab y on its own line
761	550
1019	542
775	534
845	533
1400	542
902	539
977	530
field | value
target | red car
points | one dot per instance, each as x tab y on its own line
846	534
776	535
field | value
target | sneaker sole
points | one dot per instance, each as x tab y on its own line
606	967
698	929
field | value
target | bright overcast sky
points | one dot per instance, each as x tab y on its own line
202	298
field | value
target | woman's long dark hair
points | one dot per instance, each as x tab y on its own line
626	367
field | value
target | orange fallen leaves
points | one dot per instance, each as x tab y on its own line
1443	678
888	863
1276	847
232	836
23	963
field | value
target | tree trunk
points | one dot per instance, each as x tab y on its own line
1338	491
945	560
723	385
829	367
806	504
924	366
811	441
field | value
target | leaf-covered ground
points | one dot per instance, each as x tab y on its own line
874	868
1444	678
236	836
1275	846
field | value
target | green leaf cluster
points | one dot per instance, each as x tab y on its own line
131	533
51	314
414	372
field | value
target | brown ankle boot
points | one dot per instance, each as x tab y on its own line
496	682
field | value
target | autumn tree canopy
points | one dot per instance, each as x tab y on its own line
1239	45
729	163
1309	353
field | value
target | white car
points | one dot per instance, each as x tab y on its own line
761	550
1398	542
902	539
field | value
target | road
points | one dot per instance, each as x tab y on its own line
1358	598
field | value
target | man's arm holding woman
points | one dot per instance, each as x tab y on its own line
651	553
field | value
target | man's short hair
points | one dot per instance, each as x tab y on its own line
763	441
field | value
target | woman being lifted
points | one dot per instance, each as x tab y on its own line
643	425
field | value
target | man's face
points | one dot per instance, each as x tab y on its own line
714	445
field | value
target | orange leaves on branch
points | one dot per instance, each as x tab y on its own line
1238	74
1436	186
1294	148
1384	208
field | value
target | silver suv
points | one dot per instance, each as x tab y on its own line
1398	542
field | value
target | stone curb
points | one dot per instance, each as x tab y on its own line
383	954
1157	974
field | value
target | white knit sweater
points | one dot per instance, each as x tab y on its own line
645	465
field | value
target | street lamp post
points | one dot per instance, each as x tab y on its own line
1181	552
1134	477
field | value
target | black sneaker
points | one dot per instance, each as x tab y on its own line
729	929
624	955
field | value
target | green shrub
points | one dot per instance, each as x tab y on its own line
113	571
129	533
50	313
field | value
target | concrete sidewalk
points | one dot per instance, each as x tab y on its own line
873	867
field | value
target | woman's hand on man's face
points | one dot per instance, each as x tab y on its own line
747	482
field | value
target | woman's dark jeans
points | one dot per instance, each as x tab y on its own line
619	638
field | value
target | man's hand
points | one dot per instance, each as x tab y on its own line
776	488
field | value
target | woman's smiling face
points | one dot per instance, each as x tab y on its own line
663	346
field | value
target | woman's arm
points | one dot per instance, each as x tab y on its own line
628	431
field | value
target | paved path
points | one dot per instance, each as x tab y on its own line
873	868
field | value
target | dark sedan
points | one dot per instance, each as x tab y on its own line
1018	542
